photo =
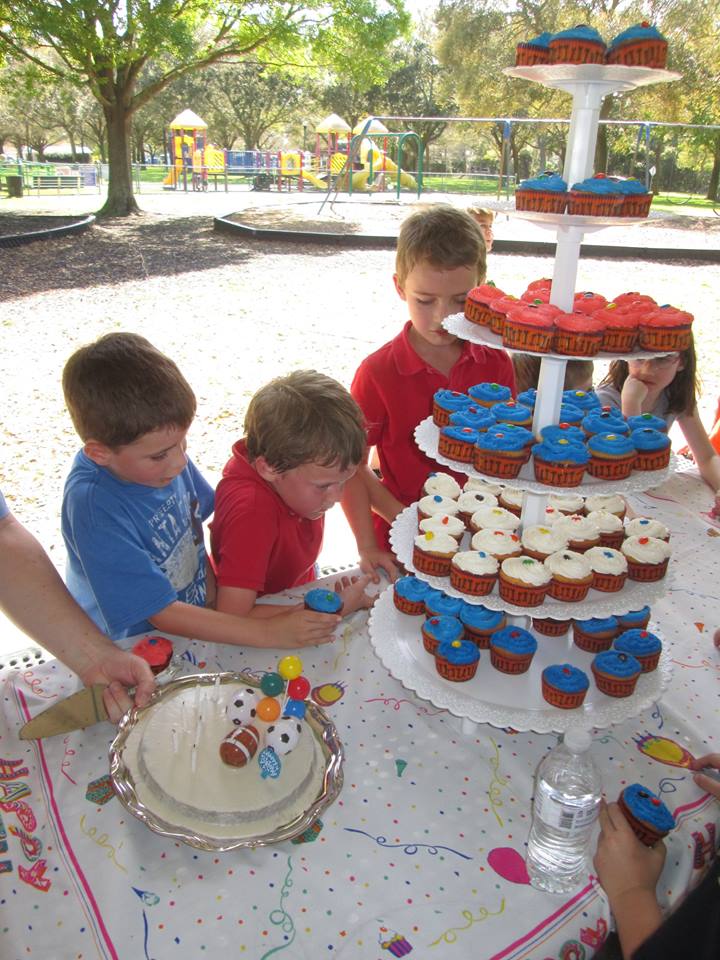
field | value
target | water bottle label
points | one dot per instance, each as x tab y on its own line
550	808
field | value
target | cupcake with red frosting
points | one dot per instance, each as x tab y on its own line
667	329
585	301
155	651
577	334
479	301
529	326
620	331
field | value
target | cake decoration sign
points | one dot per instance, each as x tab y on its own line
270	764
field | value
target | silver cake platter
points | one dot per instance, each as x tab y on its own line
127	790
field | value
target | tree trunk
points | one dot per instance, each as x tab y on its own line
712	193
120	198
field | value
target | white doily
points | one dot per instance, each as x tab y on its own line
500	699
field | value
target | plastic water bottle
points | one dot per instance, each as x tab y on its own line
565	808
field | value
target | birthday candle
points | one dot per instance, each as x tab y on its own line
193	758
174	740
217	688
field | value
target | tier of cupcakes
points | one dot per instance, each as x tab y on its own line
641	45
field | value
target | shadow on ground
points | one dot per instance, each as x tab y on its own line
120	251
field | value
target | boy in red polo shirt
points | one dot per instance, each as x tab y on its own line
440	257
304	439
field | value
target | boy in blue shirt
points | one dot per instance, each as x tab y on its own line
134	505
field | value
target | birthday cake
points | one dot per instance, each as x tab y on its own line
194	756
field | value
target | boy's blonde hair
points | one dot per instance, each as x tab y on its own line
445	237
121	387
304	417
483	215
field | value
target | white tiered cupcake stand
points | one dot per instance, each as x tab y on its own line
491	696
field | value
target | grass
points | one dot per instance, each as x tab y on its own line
685	204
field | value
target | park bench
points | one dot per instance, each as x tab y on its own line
61	182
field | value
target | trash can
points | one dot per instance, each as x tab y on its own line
14	185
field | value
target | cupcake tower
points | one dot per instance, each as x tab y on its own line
535	560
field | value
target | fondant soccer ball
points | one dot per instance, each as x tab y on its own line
283	735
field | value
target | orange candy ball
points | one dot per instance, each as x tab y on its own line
268	709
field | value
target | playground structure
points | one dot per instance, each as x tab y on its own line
345	159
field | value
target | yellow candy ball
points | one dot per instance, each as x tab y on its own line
268	709
290	667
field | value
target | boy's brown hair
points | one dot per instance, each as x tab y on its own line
304	417
121	387
445	237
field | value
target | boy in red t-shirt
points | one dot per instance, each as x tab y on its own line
440	257
304	439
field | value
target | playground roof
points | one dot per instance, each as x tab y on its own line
376	126
333	124
188	119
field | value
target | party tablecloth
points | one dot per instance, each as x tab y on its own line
423	852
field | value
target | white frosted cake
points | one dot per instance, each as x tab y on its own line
191	786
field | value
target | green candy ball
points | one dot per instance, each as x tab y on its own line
272	684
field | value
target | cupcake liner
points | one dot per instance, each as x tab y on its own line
496	465
613	540
433	566
430	643
608	582
640	53
497	322
472	584
520	337
413	608
561	699
441	417
521	594
614	686
577	344
531	56
619	341
648	662
594	204
636	206
459	450
575	50
643	831
652	459
541	201
665	339
478	313
506	663
636	624
568	591
647	572
590	643
556	474
618	468
549	627
479	638
456	672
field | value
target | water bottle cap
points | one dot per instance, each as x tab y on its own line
577	740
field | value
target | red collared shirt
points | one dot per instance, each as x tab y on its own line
257	542
394	388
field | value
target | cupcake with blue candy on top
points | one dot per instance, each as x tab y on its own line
616	674
642	645
564	685
446	402
409	595
437	630
474	572
457	660
480	623
488	394
512	650
646	813
436	504
609	567
442	483
323	601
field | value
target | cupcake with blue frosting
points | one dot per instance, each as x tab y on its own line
457	443
512	650
587	400
530	53
446	402
437	630
480	623
409	595
560	463
646	813
595	634
612	456
564	685
635	619
457	660
440	604
562	431
477	418
653	449
528	398
607	420
501	451
547	193
597	196
580	44
616	674
643	645
512	412
641	45
488	394
647	420
323	601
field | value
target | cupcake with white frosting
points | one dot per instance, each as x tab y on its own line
581	532
511	499
524	581
645	527
572	576
501	544
443	484
433	553
567	502
485	486
474	572
470	501
609	568
435	504
540	540
494	518
612	531
443	523
612	502
647	558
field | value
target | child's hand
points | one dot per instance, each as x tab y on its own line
702	780
633	393
373	559
352	591
300	628
625	865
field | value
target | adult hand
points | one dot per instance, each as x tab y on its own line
625	866
373	559
702	780
121	670
352	591
299	628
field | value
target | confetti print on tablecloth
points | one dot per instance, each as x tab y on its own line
410	849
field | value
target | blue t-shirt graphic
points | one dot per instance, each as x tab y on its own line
132	549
